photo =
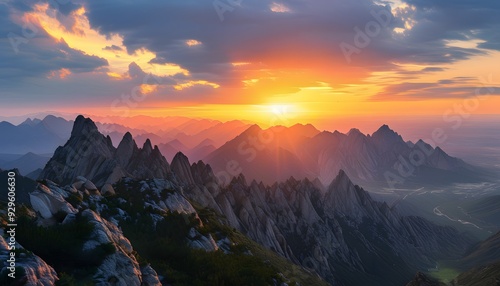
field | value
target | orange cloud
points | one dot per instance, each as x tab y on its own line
61	74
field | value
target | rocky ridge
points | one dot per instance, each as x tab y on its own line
90	154
340	232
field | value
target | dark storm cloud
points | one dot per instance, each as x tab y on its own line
456	20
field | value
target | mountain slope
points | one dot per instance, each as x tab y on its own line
27	163
36	136
340	232
383	159
88	153
145	233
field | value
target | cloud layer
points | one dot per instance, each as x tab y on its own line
237	51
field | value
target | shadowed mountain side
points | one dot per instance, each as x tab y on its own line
27	163
340	232
36	136
383	157
90	154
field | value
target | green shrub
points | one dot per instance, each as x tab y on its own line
165	247
61	245
6	280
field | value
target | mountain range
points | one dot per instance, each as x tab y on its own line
194	137
140	217
338	231
36	136
382	158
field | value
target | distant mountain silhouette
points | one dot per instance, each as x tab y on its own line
36	136
27	163
302	151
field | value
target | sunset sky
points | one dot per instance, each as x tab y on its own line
308	61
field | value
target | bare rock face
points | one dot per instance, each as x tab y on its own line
107	190
126	149
181	167
340	232
199	241
121	266
90	154
37	272
147	163
149	276
48	202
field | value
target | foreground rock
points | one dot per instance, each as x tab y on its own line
34	270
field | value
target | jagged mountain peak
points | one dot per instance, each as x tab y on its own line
307	130
31	122
181	167
126	149
128	136
180	159
147	147
83	126
355	132
344	197
384	130
341	180
254	129
420	141
385	135
239	180
439	150
90	154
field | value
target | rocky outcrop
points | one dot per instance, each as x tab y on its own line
90	154
340	232
198	241
36	271
181	167
47	202
149	276
119	267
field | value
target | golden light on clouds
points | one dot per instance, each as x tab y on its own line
279	8
114	75
188	84
239	64
193	42
302	81
81	37
61	74
148	88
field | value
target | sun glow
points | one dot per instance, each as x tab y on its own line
279	109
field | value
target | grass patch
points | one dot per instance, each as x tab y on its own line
445	274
